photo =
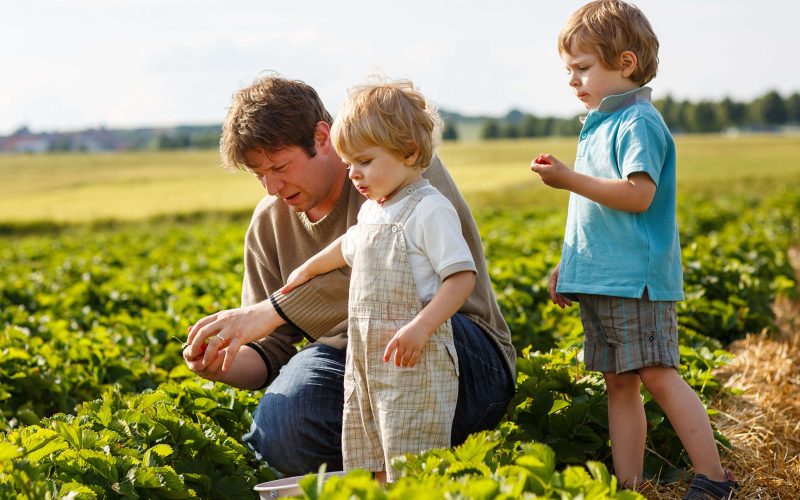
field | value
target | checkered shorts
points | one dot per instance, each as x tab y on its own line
623	335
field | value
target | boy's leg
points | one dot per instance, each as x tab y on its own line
688	417
627	426
298	423
484	385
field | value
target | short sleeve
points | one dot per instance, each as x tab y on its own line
441	237
642	147
349	244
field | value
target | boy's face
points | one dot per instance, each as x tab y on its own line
591	80
378	173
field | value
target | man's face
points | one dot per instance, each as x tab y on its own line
304	183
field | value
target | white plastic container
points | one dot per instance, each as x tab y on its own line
286	487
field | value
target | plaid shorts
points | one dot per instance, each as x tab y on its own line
623	335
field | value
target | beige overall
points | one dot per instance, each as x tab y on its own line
392	410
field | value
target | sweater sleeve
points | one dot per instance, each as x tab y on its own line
318	306
277	348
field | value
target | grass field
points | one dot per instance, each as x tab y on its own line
103	308
89	187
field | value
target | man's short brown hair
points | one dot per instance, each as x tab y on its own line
607	28
273	113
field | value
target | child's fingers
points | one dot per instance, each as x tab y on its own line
399	356
390	347
411	360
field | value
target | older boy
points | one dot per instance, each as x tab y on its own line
279	130
621	254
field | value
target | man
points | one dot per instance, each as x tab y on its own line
279	130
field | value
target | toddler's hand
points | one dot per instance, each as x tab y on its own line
296	278
407	344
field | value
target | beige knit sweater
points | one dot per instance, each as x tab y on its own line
279	240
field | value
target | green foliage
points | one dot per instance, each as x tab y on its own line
84	312
158	444
96	401
485	466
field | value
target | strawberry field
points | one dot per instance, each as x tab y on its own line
95	401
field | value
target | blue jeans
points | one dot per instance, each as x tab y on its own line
298	423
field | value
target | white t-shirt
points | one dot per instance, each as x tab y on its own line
434	243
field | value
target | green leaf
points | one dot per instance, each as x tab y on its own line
77	491
9	451
538	458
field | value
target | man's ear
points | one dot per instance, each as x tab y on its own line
322	137
628	63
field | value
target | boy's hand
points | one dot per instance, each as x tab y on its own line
296	278
407	344
557	298
552	171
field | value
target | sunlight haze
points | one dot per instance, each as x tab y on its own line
87	63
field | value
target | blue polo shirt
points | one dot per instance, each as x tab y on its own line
613	252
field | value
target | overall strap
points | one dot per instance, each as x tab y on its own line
415	195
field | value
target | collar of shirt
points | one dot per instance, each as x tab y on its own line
615	102
405	192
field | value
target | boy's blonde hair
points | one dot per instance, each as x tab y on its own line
392	115
607	28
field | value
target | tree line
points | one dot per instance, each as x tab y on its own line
765	113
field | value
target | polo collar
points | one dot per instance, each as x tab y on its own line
615	102
611	103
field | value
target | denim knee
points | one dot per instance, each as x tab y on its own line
485	385
298	423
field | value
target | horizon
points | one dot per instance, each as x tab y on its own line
119	66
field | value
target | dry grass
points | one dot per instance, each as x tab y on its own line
763	421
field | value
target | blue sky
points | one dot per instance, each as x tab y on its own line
86	63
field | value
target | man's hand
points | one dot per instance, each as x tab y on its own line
220	335
406	345
557	298
552	171
197	364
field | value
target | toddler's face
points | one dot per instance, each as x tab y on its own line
378	173
592	81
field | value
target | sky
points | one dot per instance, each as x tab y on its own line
69	65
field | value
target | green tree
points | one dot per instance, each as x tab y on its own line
793	108
731	113
490	129
770	109
668	109
449	133
531	126
511	131
702	117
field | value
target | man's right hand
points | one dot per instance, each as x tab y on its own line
197	364
221	335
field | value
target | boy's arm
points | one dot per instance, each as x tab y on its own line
633	194
328	259
410	340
